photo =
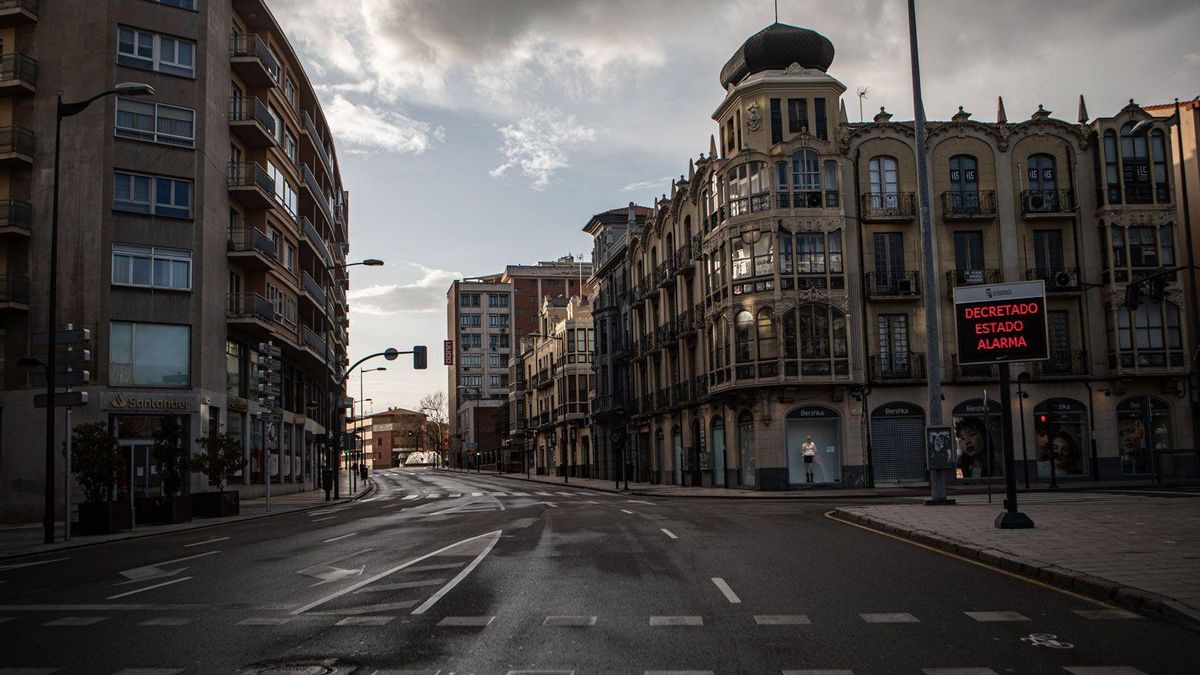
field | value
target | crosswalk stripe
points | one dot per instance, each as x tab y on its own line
76	621
1105	614
890	617
476	494
406	497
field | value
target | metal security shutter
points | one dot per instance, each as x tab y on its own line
898	448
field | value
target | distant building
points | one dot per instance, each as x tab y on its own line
393	435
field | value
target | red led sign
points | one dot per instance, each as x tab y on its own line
1002	322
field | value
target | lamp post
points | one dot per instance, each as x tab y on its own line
332	454
62	111
361	412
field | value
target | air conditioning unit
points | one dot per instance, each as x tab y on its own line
1038	202
1064	280
905	287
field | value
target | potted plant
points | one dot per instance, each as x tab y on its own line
170	453
97	464
219	458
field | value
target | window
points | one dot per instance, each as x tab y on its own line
497	300
768	348
290	147
156	122
235	369
1148	337
884	182
749	188
744	332
285	194
968	257
495	361
806	179
277	125
290	92
893	345
498	320
1047	252
151	267
148	354
819	113
182	4
964	185
1112	173
890	275
1136	166
469	320
798	115
472	380
289	257
152	195
498	381
498	341
1149	248
151	51
776	121
1162	189
471	341
468	299
472	361
815	256
821	331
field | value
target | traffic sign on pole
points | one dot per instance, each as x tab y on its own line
62	399
63	337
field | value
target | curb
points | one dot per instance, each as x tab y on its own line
578	485
1127	597
205	526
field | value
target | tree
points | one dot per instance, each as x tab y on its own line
221	456
97	460
171	452
436	416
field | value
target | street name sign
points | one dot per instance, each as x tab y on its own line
1001	323
62	399
63	337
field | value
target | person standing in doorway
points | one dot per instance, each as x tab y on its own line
810	453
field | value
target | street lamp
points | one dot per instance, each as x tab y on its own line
64	110
333	461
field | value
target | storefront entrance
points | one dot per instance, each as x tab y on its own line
718	452
820	427
898	443
135	436
1061	431
677	456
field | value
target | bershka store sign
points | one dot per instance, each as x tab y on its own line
1001	323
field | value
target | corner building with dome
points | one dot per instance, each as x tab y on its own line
771	306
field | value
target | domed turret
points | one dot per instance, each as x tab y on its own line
775	48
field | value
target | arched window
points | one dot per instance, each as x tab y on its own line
1042	194
1135	164
767	345
1158	145
687	229
744	331
884	183
1112	170
964	185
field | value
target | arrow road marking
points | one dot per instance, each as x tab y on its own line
155	571
495	536
341	537
147	588
328	574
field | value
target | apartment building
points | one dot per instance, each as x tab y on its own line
393	435
776	293
194	225
485	315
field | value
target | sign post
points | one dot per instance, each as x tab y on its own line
999	324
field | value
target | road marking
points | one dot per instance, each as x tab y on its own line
317	520
627	511
354	587
265	621
341	537
149	671
76	621
168	621
365	621
569	621
818	672
669	533
567	494
461	575
997	616
518	494
639	501
513	672
4	568
589	501
388	506
890	617
476	494
401	586
432	495
726	590
1105	614
325	512
1102	670
454	495
543	494
676	621
202	543
781	620
407	497
958	671
370	609
147	588
101	607
466	621
550	504
678	672
154	571
497	494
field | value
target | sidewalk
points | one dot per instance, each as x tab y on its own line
27	539
1141	553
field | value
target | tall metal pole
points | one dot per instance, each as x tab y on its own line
1191	260
1010	518
51	343
933	339
333	445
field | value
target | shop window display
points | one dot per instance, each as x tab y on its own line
977	439
1061	433
1143	429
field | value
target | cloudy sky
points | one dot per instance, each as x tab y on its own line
475	133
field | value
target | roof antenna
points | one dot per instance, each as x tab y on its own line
776	11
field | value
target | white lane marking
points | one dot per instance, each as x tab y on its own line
781	620
155	571
147	588
569	621
1105	614
397	568
325	512
467	621
31	564
265	621
567	494
454	495
341	537
589	501
890	617
669	533
168	621
676	621
627	511
317	520
997	616
550	504
497	494
76	621
543	494
461	575
381	588
639	501
432	495
407	497
518	494
202	543
476	494
726	590
370	609
365	621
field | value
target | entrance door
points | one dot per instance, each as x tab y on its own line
898	443
746	447
677	456
146	480
889	262
718	450
968	257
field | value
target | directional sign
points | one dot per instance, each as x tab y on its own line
1001	323
66	358
62	399
73	378
63	337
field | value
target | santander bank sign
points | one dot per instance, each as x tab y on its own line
1001	322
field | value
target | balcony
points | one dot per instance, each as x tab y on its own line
18	12
252	60
1047	203
18	75
16	217
887	207
252	312
542	379
743	206
898	368
313	291
250	121
339	296
315	241
252	249
14	292
316	343
1058	279
1062	364
975	277
979	205
1154	360
17	145
666	273
314	137
968	373
250	185
685	323
317	194
808	199
893	285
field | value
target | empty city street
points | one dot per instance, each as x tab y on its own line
438	572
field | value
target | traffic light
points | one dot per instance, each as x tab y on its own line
1158	288
1133	295
420	357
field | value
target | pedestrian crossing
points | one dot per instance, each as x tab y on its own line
408	495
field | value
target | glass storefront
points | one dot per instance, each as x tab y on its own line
814	432
1143	428
1061	432
977	439
135	435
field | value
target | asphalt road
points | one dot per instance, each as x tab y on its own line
450	573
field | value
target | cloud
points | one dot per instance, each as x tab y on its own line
360	127
1192	58
646	184
426	294
538	145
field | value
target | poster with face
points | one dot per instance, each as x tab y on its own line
1061	436
940	444
977	440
